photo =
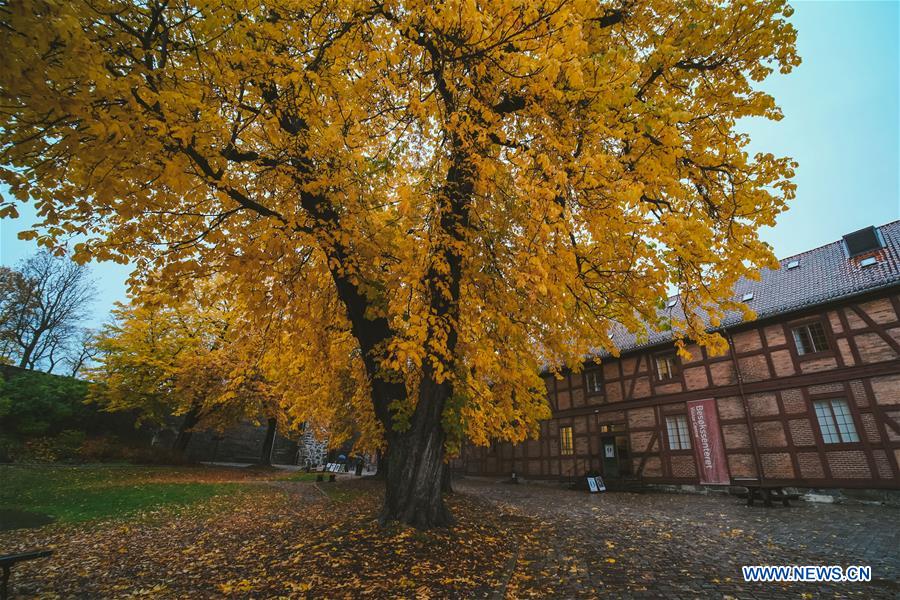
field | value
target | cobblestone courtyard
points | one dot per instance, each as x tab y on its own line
687	546
265	536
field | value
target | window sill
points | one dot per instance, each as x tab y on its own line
815	355
842	445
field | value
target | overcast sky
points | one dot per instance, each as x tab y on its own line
842	124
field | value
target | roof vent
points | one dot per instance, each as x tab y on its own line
863	241
868	262
672	303
793	264
747	297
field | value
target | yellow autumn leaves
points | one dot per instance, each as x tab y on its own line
303	150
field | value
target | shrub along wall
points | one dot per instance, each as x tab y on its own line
44	417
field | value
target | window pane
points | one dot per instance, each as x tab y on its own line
817	336
845	425
677	429
565	441
810	338
801	338
594	382
683	433
665	367
672	430
826	423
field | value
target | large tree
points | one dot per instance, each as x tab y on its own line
41	306
469	190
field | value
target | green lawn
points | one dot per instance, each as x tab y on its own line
73	494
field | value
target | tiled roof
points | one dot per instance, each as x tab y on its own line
824	274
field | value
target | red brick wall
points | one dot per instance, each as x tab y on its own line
784	426
754	368
818	365
777	466
641	417
723	373
741	465
886	389
736	436
640	440
801	432
770	434
747	341
873	348
683	467
762	405
793	401
695	378
848	464
730	408
810	465
783	363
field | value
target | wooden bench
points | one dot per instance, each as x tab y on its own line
10	560
766	492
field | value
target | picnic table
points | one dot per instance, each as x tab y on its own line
8	561
764	491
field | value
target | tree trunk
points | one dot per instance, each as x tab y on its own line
446	480
185	430
268	443
25	362
416	464
415	454
381	463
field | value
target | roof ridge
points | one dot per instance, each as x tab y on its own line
837	241
829	276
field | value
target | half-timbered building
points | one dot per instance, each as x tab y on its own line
808	394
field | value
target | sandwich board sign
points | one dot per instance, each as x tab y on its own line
595	484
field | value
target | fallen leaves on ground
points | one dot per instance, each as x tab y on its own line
270	540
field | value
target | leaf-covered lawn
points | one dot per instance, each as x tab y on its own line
74	494
257	535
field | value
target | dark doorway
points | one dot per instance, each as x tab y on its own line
616	457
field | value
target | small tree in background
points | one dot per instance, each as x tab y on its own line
41	306
184	359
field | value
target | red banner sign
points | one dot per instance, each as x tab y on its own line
708	447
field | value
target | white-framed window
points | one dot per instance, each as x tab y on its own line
810	338
594	380
677	429
835	421
666	366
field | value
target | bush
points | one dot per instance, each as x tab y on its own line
37	450
68	442
9	447
102	449
34	404
44	418
111	448
154	455
63	447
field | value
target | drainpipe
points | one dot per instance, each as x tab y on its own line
740	383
